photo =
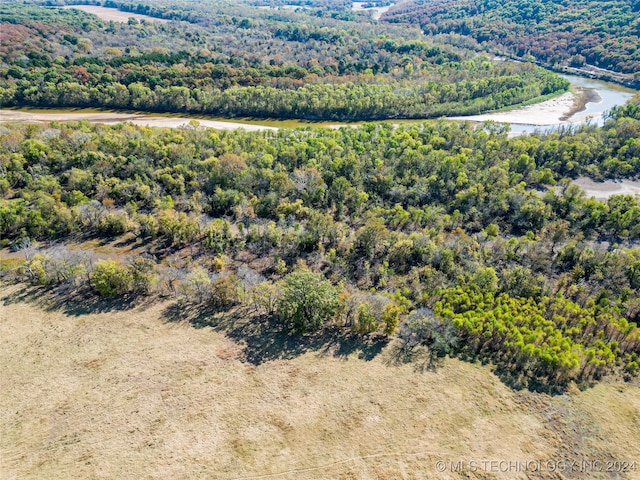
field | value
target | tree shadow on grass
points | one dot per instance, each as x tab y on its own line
264	340
125	241
513	376
74	302
422	358
262	337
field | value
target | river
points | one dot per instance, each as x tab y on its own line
611	95
565	110
543	116
604	96
600	97
537	117
376	12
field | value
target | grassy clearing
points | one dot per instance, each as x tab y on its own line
153	391
112	14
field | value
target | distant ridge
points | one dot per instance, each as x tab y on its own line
595	38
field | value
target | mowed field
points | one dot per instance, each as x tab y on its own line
155	391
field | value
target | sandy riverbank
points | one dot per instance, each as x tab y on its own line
554	111
604	190
109	118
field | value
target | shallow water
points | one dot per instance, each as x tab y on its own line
376	12
611	95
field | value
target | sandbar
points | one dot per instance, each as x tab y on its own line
110	118
606	189
550	112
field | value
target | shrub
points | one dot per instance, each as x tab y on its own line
115	224
110	278
35	271
147	225
59	266
217	236
177	227
390	318
198	285
142	269
225	291
368	313
424	329
264	298
307	301
367	323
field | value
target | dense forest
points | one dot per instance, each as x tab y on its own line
269	63
574	33
458	238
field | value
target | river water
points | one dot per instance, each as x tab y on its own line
611	95
521	121
608	95
376	12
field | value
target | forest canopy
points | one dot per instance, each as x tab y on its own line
264	64
456	236
574	33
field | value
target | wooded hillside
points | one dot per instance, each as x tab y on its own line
260	63
575	33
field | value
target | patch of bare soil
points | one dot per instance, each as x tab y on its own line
549	112
582	97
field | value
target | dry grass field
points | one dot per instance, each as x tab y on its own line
113	14
154	391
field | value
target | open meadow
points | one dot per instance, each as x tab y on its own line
153	391
112	14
